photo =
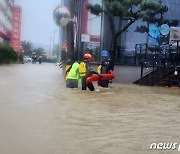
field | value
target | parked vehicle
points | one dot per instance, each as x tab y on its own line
27	59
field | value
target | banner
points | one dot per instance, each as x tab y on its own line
158	34
174	35
16	28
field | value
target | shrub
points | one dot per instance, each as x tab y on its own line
7	54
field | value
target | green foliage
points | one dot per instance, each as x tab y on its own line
94	9
116	8
150	5
38	51
7	54
130	10
27	47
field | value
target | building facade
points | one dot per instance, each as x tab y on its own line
10	24
86	29
16	28
6	14
91	29
93	33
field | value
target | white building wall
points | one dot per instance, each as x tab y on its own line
5	16
94	22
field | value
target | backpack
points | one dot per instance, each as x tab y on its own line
82	69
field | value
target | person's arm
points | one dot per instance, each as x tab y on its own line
68	69
91	70
99	69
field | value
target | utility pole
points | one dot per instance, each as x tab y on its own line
49	47
70	41
59	44
70	31
53	40
102	29
79	6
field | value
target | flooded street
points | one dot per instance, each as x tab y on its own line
38	115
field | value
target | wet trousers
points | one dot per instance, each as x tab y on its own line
72	83
84	85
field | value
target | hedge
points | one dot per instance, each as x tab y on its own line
7	54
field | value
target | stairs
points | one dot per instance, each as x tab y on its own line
161	76
171	80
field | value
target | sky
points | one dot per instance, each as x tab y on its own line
37	21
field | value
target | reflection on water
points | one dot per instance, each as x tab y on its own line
39	115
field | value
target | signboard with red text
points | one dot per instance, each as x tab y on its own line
16	28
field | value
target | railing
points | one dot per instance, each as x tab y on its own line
162	55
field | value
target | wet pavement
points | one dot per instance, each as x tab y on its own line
38	115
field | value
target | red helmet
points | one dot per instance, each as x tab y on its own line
88	56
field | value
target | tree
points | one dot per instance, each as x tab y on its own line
39	51
128	10
27	47
156	18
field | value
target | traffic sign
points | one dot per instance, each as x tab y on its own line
64	46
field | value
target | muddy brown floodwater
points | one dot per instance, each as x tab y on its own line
38	115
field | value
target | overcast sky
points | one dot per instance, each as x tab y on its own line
37	20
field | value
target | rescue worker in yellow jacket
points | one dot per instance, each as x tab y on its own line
104	69
73	76
86	71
